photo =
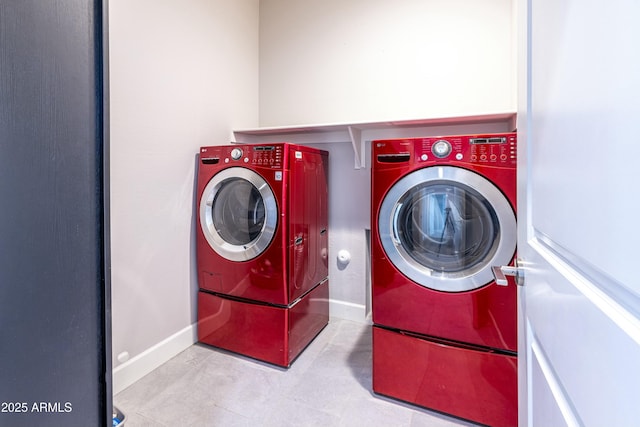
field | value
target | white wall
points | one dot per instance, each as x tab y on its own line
350	61
182	74
349	196
376	60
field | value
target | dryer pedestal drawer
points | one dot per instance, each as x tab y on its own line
476	385
272	334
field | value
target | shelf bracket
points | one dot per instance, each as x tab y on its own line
358	145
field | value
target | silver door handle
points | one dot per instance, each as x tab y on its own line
500	273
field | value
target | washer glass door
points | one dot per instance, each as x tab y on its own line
238	214
444	227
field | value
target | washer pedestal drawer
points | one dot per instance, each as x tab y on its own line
473	384
269	333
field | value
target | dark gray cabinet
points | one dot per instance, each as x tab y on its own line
55	355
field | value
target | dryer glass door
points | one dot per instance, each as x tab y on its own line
238	214
447	227
444	227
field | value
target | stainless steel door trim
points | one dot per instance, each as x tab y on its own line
223	248
464	280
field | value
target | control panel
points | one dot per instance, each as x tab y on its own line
255	155
266	155
490	149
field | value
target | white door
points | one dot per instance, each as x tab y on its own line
579	212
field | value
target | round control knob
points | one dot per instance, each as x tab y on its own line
441	148
236	153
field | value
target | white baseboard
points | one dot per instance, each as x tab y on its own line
137	367
348	311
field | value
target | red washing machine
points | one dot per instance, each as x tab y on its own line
445	334
262	249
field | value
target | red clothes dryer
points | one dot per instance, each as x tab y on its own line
445	334
262	249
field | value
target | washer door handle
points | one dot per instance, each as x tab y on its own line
500	273
394	224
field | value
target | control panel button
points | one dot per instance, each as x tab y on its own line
459	156
424	157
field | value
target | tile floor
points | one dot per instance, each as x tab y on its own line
328	385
